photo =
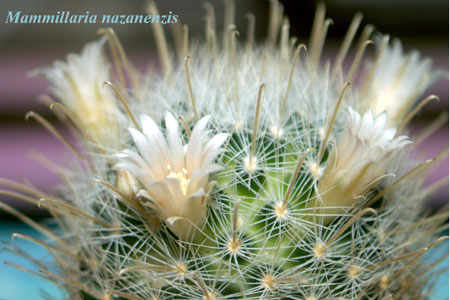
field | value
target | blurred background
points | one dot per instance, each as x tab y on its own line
420	24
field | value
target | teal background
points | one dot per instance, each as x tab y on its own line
18	285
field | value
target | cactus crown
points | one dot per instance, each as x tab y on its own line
241	171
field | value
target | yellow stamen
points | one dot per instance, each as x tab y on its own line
182	178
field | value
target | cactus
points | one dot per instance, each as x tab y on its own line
240	171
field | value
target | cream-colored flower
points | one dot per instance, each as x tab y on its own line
127	184
398	81
358	159
175	176
77	83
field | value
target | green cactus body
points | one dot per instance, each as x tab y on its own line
243	172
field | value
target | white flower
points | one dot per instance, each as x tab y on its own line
175	176
398	81
77	83
357	161
127	184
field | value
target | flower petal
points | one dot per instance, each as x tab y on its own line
196	141
176	152
149	152
213	148
153	134
133	163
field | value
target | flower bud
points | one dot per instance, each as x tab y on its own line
356	162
